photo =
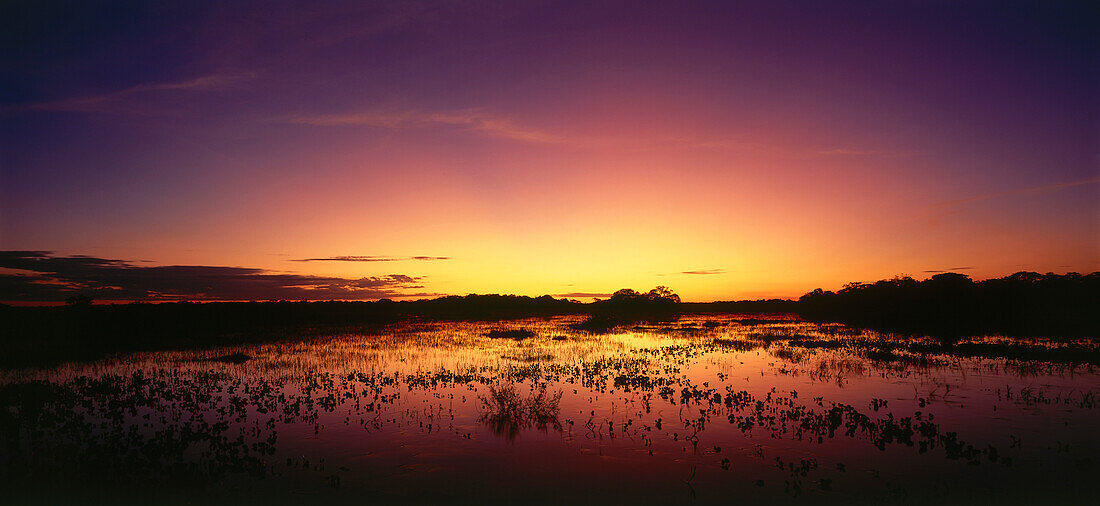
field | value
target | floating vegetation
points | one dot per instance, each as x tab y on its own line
232	358
509	334
791	409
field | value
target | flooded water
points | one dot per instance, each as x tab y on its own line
707	409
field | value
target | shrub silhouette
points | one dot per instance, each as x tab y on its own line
79	300
628	306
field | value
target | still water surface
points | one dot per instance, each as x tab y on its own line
707	409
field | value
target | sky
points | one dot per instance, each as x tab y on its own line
358	150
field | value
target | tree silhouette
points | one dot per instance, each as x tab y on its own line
80	300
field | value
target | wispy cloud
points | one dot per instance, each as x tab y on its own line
734	143
469	119
1020	191
118	101
705	272
41	276
367	258
849	152
845	152
954	206
744	144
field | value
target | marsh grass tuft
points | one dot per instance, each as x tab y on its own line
507	413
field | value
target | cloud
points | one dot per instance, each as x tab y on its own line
1018	191
949	270
845	152
795	151
866	152
41	276
582	295
705	272
118	102
468	119
951	207
367	258
725	144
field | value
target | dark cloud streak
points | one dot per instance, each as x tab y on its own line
367	258
949	270
582	295
46	277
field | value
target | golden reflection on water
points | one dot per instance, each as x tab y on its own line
693	409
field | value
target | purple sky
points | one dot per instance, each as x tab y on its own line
727	149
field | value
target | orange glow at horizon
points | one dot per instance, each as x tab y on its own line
759	153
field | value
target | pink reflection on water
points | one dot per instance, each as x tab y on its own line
704	408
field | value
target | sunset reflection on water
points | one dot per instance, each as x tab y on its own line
707	408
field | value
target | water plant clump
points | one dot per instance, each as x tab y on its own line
800	410
509	334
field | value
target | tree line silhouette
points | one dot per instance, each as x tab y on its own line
947	305
81	330
951	305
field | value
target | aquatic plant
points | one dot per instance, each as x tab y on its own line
509	334
506	412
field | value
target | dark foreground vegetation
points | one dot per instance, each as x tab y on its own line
197	435
946	306
950	305
80	330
